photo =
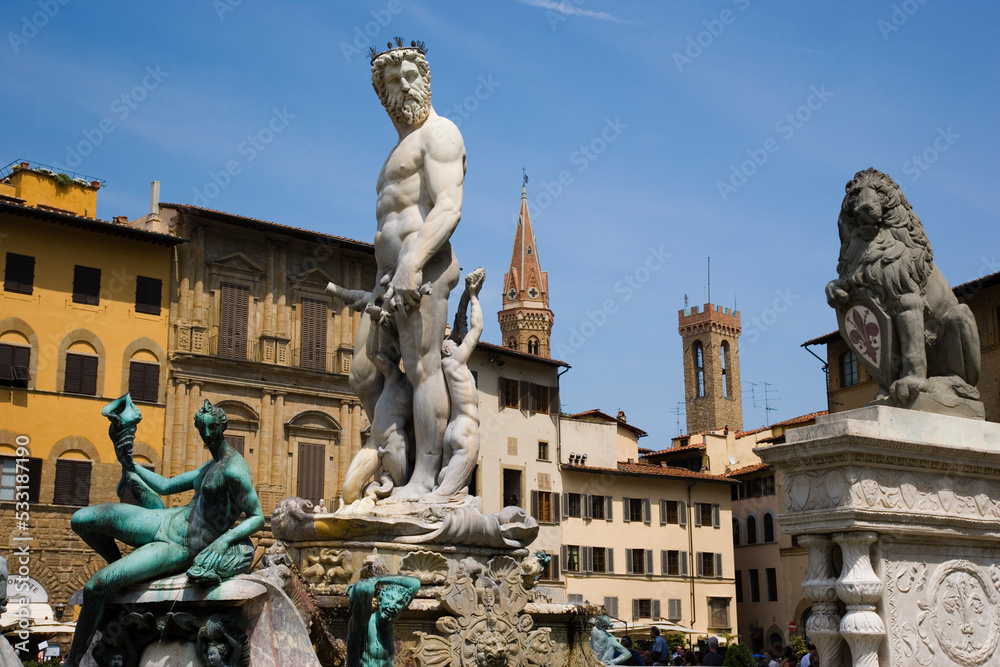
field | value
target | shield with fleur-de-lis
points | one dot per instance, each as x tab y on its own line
868	332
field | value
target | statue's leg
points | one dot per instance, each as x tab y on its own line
145	563
100	525
420	335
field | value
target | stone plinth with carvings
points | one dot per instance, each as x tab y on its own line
907	504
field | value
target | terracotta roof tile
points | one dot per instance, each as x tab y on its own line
671	450
522	355
92	224
757	467
256	222
603	415
788	422
641	470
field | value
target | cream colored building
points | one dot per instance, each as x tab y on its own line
649	542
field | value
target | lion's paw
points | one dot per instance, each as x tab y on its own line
905	389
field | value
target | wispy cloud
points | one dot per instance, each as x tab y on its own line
572	10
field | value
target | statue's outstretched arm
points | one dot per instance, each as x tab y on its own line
474	282
165	486
355	299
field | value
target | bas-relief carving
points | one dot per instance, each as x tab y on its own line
898	490
895	308
323	567
943	610
486	627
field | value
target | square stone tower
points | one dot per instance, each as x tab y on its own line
711	368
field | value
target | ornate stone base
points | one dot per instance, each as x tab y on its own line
247	621
912	502
475	605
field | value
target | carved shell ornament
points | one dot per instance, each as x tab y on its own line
430	568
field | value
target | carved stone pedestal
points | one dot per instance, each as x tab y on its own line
911	501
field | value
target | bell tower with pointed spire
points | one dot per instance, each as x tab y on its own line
525	319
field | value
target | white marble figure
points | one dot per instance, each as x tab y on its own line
419	205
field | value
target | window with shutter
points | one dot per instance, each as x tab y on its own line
655	611
716	516
508	395
635	609
525	396
718	566
649	562
236	442
541	396
19	476
628	561
555	508
587	505
682	513
86	285
148	295
311	468
663	512
144	381
626	515
72	484
674	612
697	515
610	553
15	365
684	563
313	352
19	273
554	400
611	606
234	311
81	374
647	512
609	509
699	564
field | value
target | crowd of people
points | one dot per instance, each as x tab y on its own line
710	654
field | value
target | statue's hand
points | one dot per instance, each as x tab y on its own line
123	440
836	295
405	289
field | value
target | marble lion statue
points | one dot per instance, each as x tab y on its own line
885	254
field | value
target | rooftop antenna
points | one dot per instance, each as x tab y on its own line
685	301
677	411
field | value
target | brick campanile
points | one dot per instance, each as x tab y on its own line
710	339
525	318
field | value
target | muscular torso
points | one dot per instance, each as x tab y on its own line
399	209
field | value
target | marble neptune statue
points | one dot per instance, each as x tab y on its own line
199	537
413	409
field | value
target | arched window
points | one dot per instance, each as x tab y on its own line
736	531
725	368
768	528
699	369
532	345
512	344
848	369
72	484
751	529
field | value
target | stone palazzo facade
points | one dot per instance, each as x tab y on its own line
253	331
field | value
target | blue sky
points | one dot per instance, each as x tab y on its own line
722	128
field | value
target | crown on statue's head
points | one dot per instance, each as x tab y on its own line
414	45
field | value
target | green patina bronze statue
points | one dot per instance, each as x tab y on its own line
369	632
199	537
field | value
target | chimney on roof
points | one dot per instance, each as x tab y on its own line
621	416
154	200
663	464
121	219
